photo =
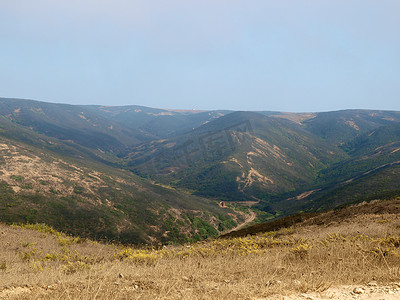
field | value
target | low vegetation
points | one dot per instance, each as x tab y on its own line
97	201
311	255
72	167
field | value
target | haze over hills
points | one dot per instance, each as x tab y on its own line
156	175
159	123
106	128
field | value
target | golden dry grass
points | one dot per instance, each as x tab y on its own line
42	264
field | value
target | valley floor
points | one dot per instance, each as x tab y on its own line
350	254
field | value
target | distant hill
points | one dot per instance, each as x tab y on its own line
242	155
157	123
70	123
287	162
372	171
344	125
107	128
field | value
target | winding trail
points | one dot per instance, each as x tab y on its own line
249	218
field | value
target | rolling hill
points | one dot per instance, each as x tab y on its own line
287	162
70	123
75	188
240	156
158	123
102	127
371	172
87	198
147	175
342	126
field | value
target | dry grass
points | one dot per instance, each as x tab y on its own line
24	170
41	264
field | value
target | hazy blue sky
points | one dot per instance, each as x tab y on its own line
297	55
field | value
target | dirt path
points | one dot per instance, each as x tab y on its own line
249	218
372	291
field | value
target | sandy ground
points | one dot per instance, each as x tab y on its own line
372	291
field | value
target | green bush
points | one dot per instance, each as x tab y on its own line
17	177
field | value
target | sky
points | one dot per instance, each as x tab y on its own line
280	55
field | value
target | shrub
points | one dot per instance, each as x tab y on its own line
16	177
73	267
301	251
79	190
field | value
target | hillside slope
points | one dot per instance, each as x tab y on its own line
236	157
286	162
82	196
371	172
70	123
158	123
341	126
342	254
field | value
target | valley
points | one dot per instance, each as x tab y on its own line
150	175
121	202
195	150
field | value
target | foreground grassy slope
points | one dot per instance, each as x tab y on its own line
314	257
85	197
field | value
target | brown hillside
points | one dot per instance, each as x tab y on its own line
352	253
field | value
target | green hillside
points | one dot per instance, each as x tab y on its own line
76	189
70	123
237	157
371	172
287	162
342	126
157	123
87	198
146	175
